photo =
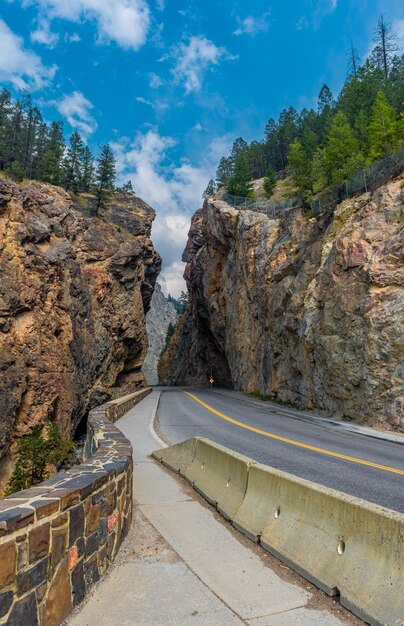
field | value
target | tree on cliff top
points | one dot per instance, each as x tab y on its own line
269	182
240	183
382	129
210	189
73	164
105	177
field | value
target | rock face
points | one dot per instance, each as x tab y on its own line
73	295
308	310
161	314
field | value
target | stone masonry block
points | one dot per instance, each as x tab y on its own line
7	563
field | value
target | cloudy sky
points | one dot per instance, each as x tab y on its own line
171	83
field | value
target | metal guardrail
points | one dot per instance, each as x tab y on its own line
367	179
263	206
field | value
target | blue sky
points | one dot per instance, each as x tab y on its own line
171	83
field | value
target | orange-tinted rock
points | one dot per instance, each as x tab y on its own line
58	601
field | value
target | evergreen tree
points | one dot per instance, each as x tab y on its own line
273	156
382	129
326	104
105	177
287	131
5	112
341	157
38	160
87	180
257	159
269	182
240	183
73	164
224	170
210	189
127	187
54	154
300	168
238	147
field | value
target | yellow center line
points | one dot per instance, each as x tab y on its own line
292	442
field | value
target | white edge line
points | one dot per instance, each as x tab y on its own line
151	423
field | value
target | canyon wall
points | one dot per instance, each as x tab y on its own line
306	309
74	290
161	314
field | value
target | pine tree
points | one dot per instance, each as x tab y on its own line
87	180
224	170
240	183
238	147
382	129
73	164
269	182
127	187
105	177
210	189
341	157
300	169
54	154
41	142
287	131
326	104
5	112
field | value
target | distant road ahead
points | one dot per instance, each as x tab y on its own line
289	441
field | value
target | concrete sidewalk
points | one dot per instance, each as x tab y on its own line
181	565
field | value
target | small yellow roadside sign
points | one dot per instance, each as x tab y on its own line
211	381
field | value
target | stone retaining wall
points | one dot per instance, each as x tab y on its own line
58	538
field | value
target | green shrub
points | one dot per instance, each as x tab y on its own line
35	453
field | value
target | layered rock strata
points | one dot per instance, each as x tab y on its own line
74	291
306	309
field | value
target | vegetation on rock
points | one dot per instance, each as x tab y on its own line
37	453
30	148
324	147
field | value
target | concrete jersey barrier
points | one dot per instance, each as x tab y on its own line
343	544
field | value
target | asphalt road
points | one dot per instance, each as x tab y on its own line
182	416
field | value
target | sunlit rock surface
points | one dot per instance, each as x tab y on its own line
74	291
306	309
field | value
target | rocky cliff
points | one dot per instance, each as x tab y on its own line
307	309
74	291
161	314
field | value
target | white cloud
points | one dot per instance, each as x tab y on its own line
161	5
43	34
174	191
21	67
76	109
171	279
126	22
73	38
194	59
252	25
155	81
